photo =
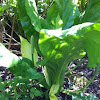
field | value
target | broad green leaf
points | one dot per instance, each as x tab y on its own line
92	13
28	50
52	12
54	21
58	48
91	44
90	34
68	12
26	24
25	48
17	66
57	23
25	20
74	30
81	96
33	14
44	24
37	21
6	56
61	46
23	68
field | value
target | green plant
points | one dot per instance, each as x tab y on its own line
81	96
59	38
19	88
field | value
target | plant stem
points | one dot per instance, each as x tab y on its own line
32	47
95	74
75	66
11	33
82	89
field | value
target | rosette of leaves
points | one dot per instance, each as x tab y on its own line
58	40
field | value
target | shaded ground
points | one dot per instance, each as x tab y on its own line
94	87
81	70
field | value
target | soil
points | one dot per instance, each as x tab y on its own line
81	70
87	72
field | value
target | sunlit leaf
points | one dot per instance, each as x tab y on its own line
61	46
6	56
68	12
20	67
52	15
33	14
25	48
25	20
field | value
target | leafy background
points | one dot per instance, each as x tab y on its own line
10	9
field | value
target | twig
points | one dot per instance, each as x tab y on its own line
75	66
15	44
5	41
47	8
12	38
11	33
36	2
11	27
16	52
